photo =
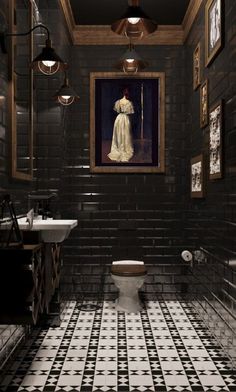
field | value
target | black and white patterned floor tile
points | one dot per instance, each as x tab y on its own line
164	348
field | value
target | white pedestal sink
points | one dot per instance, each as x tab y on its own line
52	230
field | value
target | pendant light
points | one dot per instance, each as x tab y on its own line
131	62
66	95
47	62
134	23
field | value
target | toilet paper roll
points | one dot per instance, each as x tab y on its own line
186	255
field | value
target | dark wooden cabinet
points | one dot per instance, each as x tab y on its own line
29	277
51	255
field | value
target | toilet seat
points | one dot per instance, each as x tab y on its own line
128	270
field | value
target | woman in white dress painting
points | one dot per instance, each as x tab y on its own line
122	148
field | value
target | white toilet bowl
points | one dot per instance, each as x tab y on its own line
128	276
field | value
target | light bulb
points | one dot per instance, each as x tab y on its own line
133	20
48	63
48	67
130	66
66	100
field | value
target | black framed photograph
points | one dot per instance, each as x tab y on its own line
213	29
215	140
204	104
127	122
197	177
196	66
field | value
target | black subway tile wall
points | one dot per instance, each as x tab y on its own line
49	137
3	114
211	222
124	216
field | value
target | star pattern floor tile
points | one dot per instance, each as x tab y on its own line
164	348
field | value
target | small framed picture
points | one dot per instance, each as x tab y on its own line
204	104
215	141
196	66
197	177
213	29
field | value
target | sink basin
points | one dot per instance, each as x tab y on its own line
52	230
55	235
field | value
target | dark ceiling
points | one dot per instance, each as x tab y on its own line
104	12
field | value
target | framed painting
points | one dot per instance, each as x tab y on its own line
204	104
213	29
127	122
196	66
197	177
215	141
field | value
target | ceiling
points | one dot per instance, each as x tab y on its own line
89	21
104	12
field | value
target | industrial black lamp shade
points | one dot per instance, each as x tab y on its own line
48	62
131	62
134	23
66	95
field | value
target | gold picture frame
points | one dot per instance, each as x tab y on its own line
213	29
197	66
215	140
127	122
197	177
204	104
20	91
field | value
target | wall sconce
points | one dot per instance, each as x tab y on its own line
47	62
134	23
131	61
66	95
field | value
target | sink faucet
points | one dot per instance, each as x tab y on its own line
45	212
36	209
40	210
41	204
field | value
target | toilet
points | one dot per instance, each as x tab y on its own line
128	276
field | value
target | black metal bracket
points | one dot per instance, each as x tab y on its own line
6	202
4	35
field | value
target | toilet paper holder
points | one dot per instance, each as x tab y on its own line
187	257
196	256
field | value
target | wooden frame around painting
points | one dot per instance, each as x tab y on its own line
21	90
197	177
215	140
197	66
204	104
127	122
213	29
